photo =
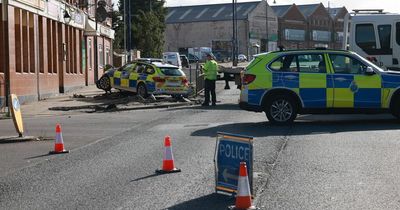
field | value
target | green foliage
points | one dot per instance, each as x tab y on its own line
147	27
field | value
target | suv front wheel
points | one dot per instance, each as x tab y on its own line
281	110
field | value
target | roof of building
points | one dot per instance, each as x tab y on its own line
281	10
210	12
308	9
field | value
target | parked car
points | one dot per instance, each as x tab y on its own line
172	58
146	78
192	58
242	58
286	83
185	61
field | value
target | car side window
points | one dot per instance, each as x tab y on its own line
287	63
127	67
149	70
140	68
343	64
311	63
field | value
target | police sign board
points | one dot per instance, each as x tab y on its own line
231	149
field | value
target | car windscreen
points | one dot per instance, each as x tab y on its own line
171	71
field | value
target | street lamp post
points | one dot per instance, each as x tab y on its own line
266	25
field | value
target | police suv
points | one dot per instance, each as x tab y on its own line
286	83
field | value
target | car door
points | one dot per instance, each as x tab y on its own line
313	81
304	74
352	87
125	74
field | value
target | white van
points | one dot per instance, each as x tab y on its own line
172	58
374	35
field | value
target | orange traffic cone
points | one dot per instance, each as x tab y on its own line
168	158
243	196
59	143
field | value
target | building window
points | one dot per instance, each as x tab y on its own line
90	54
365	36
25	44
107	55
41	45
32	51
294	34
101	55
18	41
384	35
323	36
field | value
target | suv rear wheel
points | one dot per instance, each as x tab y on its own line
281	109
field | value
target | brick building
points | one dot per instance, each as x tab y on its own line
211	26
309	26
50	46
337	15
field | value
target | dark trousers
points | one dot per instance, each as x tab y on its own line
209	87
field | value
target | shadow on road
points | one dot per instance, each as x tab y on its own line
146	177
211	201
302	127
218	107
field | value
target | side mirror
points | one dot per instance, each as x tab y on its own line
369	71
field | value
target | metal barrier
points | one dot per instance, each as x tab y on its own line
199	80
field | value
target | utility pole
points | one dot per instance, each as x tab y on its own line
6	66
128	22
234	33
96	48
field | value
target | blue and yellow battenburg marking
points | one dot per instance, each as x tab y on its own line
131	80
325	90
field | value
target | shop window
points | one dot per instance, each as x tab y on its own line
49	47
18	41
25	44
41	45
31	43
101	55
107	55
90	54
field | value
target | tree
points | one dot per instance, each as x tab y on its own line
148	26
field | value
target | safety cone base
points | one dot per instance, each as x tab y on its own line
175	170
250	208
62	152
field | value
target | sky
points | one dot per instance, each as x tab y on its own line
387	5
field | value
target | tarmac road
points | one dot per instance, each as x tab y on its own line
334	162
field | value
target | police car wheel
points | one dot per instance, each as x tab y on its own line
395	109
142	90
104	83
281	110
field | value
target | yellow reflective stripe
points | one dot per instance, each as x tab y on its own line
296	90
117	74
124	82
343	98
364	81
262	81
112	81
150	78
133	76
329	97
329	68
386	96
312	80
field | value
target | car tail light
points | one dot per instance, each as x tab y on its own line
248	78
184	81
158	79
